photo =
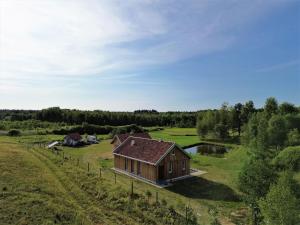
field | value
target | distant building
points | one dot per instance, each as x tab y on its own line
73	140
92	139
153	160
119	138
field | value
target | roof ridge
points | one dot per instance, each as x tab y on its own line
154	139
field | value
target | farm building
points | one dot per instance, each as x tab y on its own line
92	139
73	139
154	160
119	138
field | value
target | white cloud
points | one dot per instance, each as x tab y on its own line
88	37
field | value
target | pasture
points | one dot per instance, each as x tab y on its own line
40	174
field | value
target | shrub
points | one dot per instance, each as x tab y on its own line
14	133
293	137
280	206
288	158
132	128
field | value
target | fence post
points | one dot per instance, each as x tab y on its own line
186	215
132	188
88	167
115	177
156	197
100	172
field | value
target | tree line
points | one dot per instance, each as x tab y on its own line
98	117
229	121
266	179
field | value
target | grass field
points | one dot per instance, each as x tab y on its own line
42	171
182	136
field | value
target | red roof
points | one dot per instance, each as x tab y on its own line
74	136
123	137
143	149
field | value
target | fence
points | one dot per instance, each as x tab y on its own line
102	173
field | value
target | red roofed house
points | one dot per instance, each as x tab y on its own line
119	138
150	159
73	139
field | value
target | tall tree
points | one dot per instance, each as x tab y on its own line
271	106
206	122
277	131
287	108
237	117
255	179
247	111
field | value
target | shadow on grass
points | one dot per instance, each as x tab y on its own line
200	188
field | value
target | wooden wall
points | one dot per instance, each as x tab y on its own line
177	164
147	171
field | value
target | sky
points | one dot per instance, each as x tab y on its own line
148	54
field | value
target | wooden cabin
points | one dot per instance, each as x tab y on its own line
154	160
119	138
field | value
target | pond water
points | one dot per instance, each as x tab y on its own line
208	149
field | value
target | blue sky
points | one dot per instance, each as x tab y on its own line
164	55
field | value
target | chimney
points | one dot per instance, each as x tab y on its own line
132	143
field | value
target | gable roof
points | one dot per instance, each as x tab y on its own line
74	136
146	150
123	137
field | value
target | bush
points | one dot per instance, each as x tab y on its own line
280	206
14	133
293	137
288	158
132	128
84	129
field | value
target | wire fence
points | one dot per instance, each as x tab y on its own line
102	172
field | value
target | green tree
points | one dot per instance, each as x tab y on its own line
206	122
280	206
250	130
277	131
259	145
247	110
293	137
271	106
221	131
287	108
14	133
237	117
254	181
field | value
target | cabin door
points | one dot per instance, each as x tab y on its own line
161	170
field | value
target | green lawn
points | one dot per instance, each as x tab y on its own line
214	190
182	136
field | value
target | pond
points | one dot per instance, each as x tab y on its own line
208	149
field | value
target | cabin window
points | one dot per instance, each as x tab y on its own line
183	165
173	152
170	167
126	164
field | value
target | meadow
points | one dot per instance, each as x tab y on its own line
40	174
